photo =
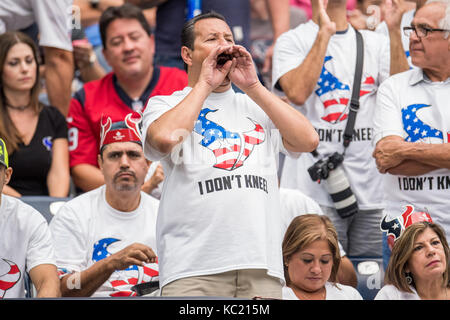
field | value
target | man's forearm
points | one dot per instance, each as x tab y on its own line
411	168
299	83
436	155
87	177
86	282
279	16
59	68
398	63
167	131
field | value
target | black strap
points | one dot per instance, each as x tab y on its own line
354	102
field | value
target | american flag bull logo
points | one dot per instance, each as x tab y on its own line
418	130
230	149
10	278
397	225
335	94
122	280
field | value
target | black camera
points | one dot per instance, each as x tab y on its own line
336	183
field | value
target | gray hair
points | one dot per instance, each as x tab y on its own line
444	23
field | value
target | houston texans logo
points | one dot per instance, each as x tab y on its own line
230	149
122	281
335	94
416	129
397	225
47	142
10	278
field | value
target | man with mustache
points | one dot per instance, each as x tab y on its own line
128	47
105	238
224	241
412	125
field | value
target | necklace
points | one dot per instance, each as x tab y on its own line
305	296
18	108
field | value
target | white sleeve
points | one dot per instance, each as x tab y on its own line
384	60
69	240
387	116
155	108
54	19
387	292
40	246
288	54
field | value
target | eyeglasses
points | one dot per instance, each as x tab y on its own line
421	31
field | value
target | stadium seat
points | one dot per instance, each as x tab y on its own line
47	206
370	273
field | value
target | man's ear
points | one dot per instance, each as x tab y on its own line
8	174
186	55
100	161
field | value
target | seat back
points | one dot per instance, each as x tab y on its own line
370	273
47	206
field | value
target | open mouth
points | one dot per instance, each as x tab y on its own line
223	58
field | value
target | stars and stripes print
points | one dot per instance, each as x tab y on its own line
417	129
230	149
335	95
9	279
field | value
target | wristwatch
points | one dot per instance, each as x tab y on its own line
94	3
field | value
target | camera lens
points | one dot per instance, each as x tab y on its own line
342	195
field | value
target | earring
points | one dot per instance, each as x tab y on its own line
409	279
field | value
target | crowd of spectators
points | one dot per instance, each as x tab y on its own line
130	109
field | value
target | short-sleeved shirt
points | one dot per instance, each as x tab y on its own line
53	18
87	229
25	243
327	108
228	218
335	291
31	163
412	107
390	292
105	98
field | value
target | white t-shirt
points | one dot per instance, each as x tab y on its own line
54	19
25	243
389	292
333	292
328	103
416	109
220	206
406	22
294	203
87	229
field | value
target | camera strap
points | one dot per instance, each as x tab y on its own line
354	101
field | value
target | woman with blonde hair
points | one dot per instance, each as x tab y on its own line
418	268
311	258
35	134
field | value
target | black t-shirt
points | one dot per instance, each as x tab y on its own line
31	163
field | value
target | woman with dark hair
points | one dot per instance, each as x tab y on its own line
311	259
35	134
418	267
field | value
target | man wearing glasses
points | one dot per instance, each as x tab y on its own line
412	122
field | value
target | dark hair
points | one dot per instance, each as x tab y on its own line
188	33
8	131
125	11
